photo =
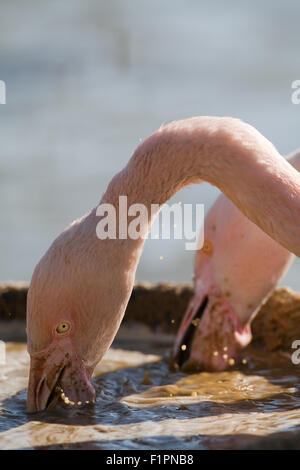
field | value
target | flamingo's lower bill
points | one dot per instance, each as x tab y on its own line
58	373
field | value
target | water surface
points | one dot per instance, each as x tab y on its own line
141	404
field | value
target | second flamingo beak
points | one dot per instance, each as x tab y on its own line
210	336
185	335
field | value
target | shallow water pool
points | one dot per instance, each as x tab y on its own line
141	404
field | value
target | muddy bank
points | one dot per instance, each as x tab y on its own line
161	307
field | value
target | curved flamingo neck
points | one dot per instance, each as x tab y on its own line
229	154
89	281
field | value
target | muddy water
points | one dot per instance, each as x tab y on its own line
142	405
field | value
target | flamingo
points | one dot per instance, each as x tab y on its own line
80	288
236	271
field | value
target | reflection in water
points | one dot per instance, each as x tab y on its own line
141	404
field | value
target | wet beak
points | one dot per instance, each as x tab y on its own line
210	336
55	372
185	335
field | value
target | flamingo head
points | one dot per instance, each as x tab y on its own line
236	270
211	334
73	314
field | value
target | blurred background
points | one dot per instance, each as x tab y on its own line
88	79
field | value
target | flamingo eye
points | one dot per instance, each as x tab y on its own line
63	327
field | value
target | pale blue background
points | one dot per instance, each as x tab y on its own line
87	79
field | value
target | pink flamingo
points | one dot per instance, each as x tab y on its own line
80	288
235	272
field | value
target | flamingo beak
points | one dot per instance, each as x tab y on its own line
210	336
185	336
58	371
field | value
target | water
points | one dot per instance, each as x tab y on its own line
141	404
86	81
